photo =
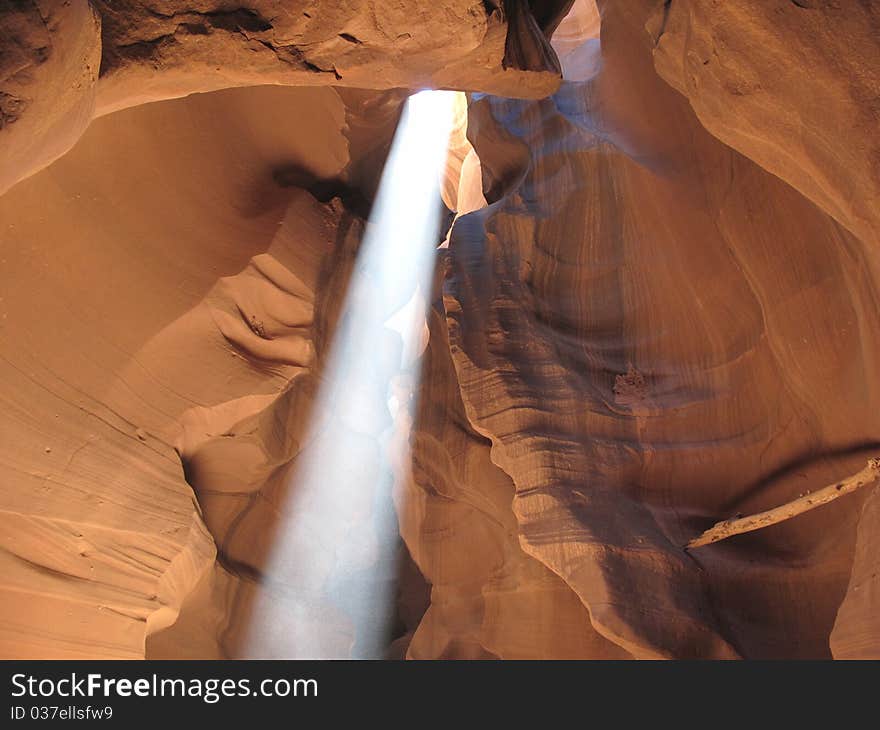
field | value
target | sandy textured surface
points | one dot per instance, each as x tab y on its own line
656	309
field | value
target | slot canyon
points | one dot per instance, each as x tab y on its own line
439	329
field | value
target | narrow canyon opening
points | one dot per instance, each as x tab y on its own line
437	331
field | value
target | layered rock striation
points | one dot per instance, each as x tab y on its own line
656	308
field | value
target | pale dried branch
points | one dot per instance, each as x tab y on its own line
811	500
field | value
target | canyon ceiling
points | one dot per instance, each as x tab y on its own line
656	307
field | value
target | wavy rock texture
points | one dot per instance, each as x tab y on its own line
652	330
792	84
51	52
164	50
489	599
576	41
153	328
856	633
656	308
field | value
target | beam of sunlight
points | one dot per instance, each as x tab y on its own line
330	576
